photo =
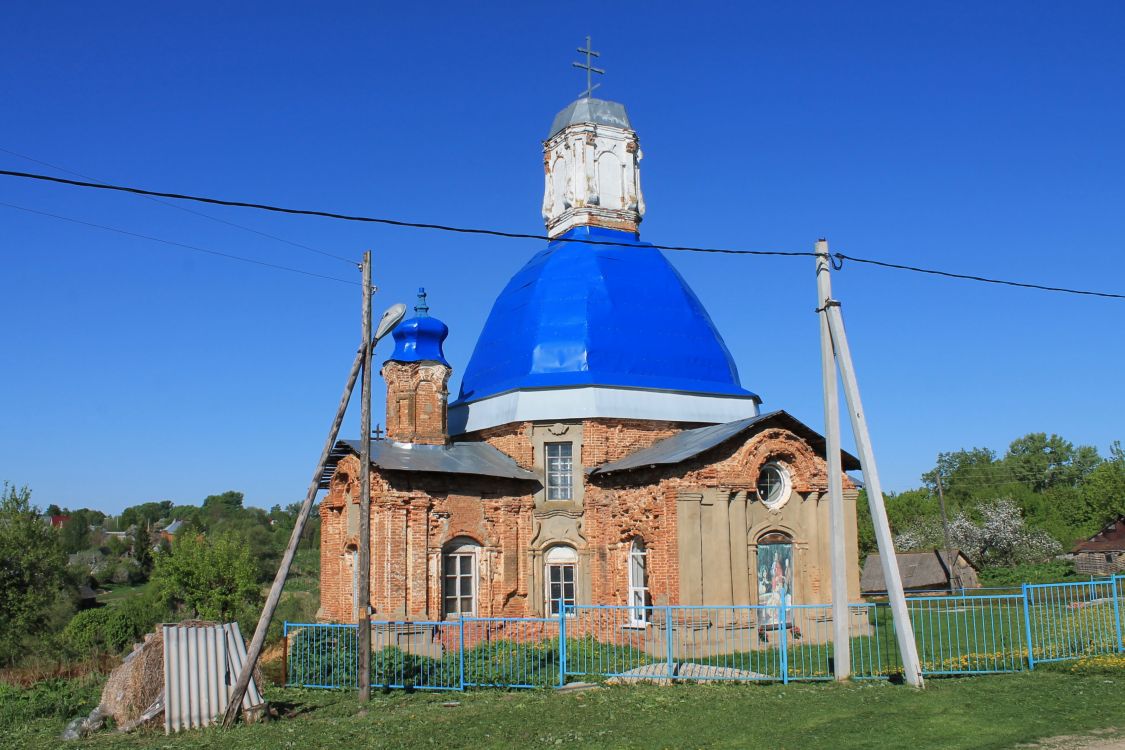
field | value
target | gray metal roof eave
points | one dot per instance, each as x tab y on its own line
691	443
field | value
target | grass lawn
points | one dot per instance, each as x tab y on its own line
980	712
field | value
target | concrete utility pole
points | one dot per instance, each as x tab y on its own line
363	672
904	632
259	639
841	637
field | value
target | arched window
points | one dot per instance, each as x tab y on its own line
459	577
638	582
561	565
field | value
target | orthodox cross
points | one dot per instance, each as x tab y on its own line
589	68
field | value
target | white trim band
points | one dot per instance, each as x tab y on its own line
595	401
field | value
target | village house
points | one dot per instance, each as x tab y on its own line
601	449
922	572
1102	554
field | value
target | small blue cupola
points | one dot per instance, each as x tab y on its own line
419	339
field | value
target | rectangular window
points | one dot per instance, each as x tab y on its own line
458	577
560	468
560	586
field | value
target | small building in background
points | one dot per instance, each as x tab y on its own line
922	571
1104	552
168	533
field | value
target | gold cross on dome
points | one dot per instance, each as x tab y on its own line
590	54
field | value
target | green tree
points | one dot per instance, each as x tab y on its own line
212	578
142	550
33	575
1049	461
75	534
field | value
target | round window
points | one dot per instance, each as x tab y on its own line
773	485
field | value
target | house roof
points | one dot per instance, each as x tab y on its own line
479	459
690	443
173	527
919	570
1109	539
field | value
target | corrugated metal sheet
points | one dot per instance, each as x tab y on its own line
690	443
480	459
201	664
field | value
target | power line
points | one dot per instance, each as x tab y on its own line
388	222
183	245
178	207
521	235
983	279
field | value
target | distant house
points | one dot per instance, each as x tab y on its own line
1104	552
58	520
168	533
922	571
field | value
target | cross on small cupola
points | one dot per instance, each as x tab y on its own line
421	309
588	66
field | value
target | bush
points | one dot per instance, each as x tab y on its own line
1055	571
111	629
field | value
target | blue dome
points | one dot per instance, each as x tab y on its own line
420	338
584	315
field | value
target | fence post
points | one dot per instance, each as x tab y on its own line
668	642
285	653
1117	613
783	641
461	649
1027	628
562	645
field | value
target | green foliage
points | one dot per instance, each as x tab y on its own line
213	578
33	577
49	699
1015	576
112	629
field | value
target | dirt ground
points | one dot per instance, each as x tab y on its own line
1102	739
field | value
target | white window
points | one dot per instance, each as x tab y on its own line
459	578
774	485
638	583
561	574
560	469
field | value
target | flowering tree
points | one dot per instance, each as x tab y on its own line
1000	537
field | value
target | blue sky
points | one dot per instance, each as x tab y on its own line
977	137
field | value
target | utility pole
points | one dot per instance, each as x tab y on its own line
841	637
239	689
954	579
904	633
364	667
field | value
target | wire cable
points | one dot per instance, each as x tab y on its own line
177	206
982	279
522	235
183	245
388	222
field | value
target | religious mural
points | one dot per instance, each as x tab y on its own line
775	575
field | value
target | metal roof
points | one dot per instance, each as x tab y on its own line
599	315
479	459
1109	539
690	443
201	663
588	109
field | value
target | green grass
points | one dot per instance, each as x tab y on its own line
980	712
119	592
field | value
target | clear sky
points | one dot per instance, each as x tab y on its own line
978	137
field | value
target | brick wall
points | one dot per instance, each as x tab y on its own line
415	515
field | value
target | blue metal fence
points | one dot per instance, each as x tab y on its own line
978	633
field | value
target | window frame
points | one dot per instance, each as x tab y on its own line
460	550
549	473
638	592
785	485
564	559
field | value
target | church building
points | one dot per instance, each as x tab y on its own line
601	448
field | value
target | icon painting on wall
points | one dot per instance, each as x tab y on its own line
775	575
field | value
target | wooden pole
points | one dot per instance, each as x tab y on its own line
954	579
904	633
259	639
363	672
841	637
